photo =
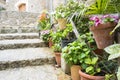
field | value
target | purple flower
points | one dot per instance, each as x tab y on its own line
96	20
45	32
106	16
104	19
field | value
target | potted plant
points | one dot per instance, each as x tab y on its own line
114	52
93	66
45	35
43	22
60	16
63	13
71	55
57	50
102	26
68	35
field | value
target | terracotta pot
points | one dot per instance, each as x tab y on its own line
85	76
75	72
102	36
62	23
58	58
50	43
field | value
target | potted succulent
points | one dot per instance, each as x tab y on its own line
102	26
57	50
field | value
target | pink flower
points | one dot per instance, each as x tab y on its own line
104	19
45	32
96	20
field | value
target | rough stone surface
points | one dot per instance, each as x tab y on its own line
17	29
18	19
45	72
19	36
23	43
14	58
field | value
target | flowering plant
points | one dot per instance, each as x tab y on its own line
96	20
43	21
45	35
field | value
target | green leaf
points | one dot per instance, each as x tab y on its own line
113	50
88	61
88	69
113	56
98	69
94	60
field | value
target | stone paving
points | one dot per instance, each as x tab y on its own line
19	36
21	43
44	72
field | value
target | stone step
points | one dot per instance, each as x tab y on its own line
15	58
21	43
18	30
44	72
19	36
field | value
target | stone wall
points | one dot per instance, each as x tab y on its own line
18	19
36	5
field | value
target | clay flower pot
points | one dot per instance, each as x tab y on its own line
50	43
85	76
75	72
62	23
58	58
101	34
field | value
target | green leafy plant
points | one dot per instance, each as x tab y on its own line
57	48
44	22
66	11
60	34
45	35
98	7
80	54
114	52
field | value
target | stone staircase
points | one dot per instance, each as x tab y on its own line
23	49
24	56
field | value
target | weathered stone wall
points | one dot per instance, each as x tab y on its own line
36	5
18	19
